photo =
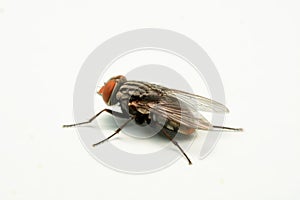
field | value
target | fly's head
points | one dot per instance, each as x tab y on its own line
108	91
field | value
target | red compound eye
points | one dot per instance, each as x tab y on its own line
106	90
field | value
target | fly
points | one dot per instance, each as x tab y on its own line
172	110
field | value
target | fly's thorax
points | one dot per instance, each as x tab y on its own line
139	91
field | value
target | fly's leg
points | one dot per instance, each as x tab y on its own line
176	144
227	128
115	133
117	114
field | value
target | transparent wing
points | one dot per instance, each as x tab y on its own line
174	105
196	102
173	110
181	114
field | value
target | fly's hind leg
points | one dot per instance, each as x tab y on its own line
117	114
164	132
227	128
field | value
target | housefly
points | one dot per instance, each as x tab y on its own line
173	111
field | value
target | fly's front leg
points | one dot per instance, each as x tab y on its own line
176	144
116	132
117	114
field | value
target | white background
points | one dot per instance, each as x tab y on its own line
255	46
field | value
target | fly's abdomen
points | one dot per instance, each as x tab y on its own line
177	127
